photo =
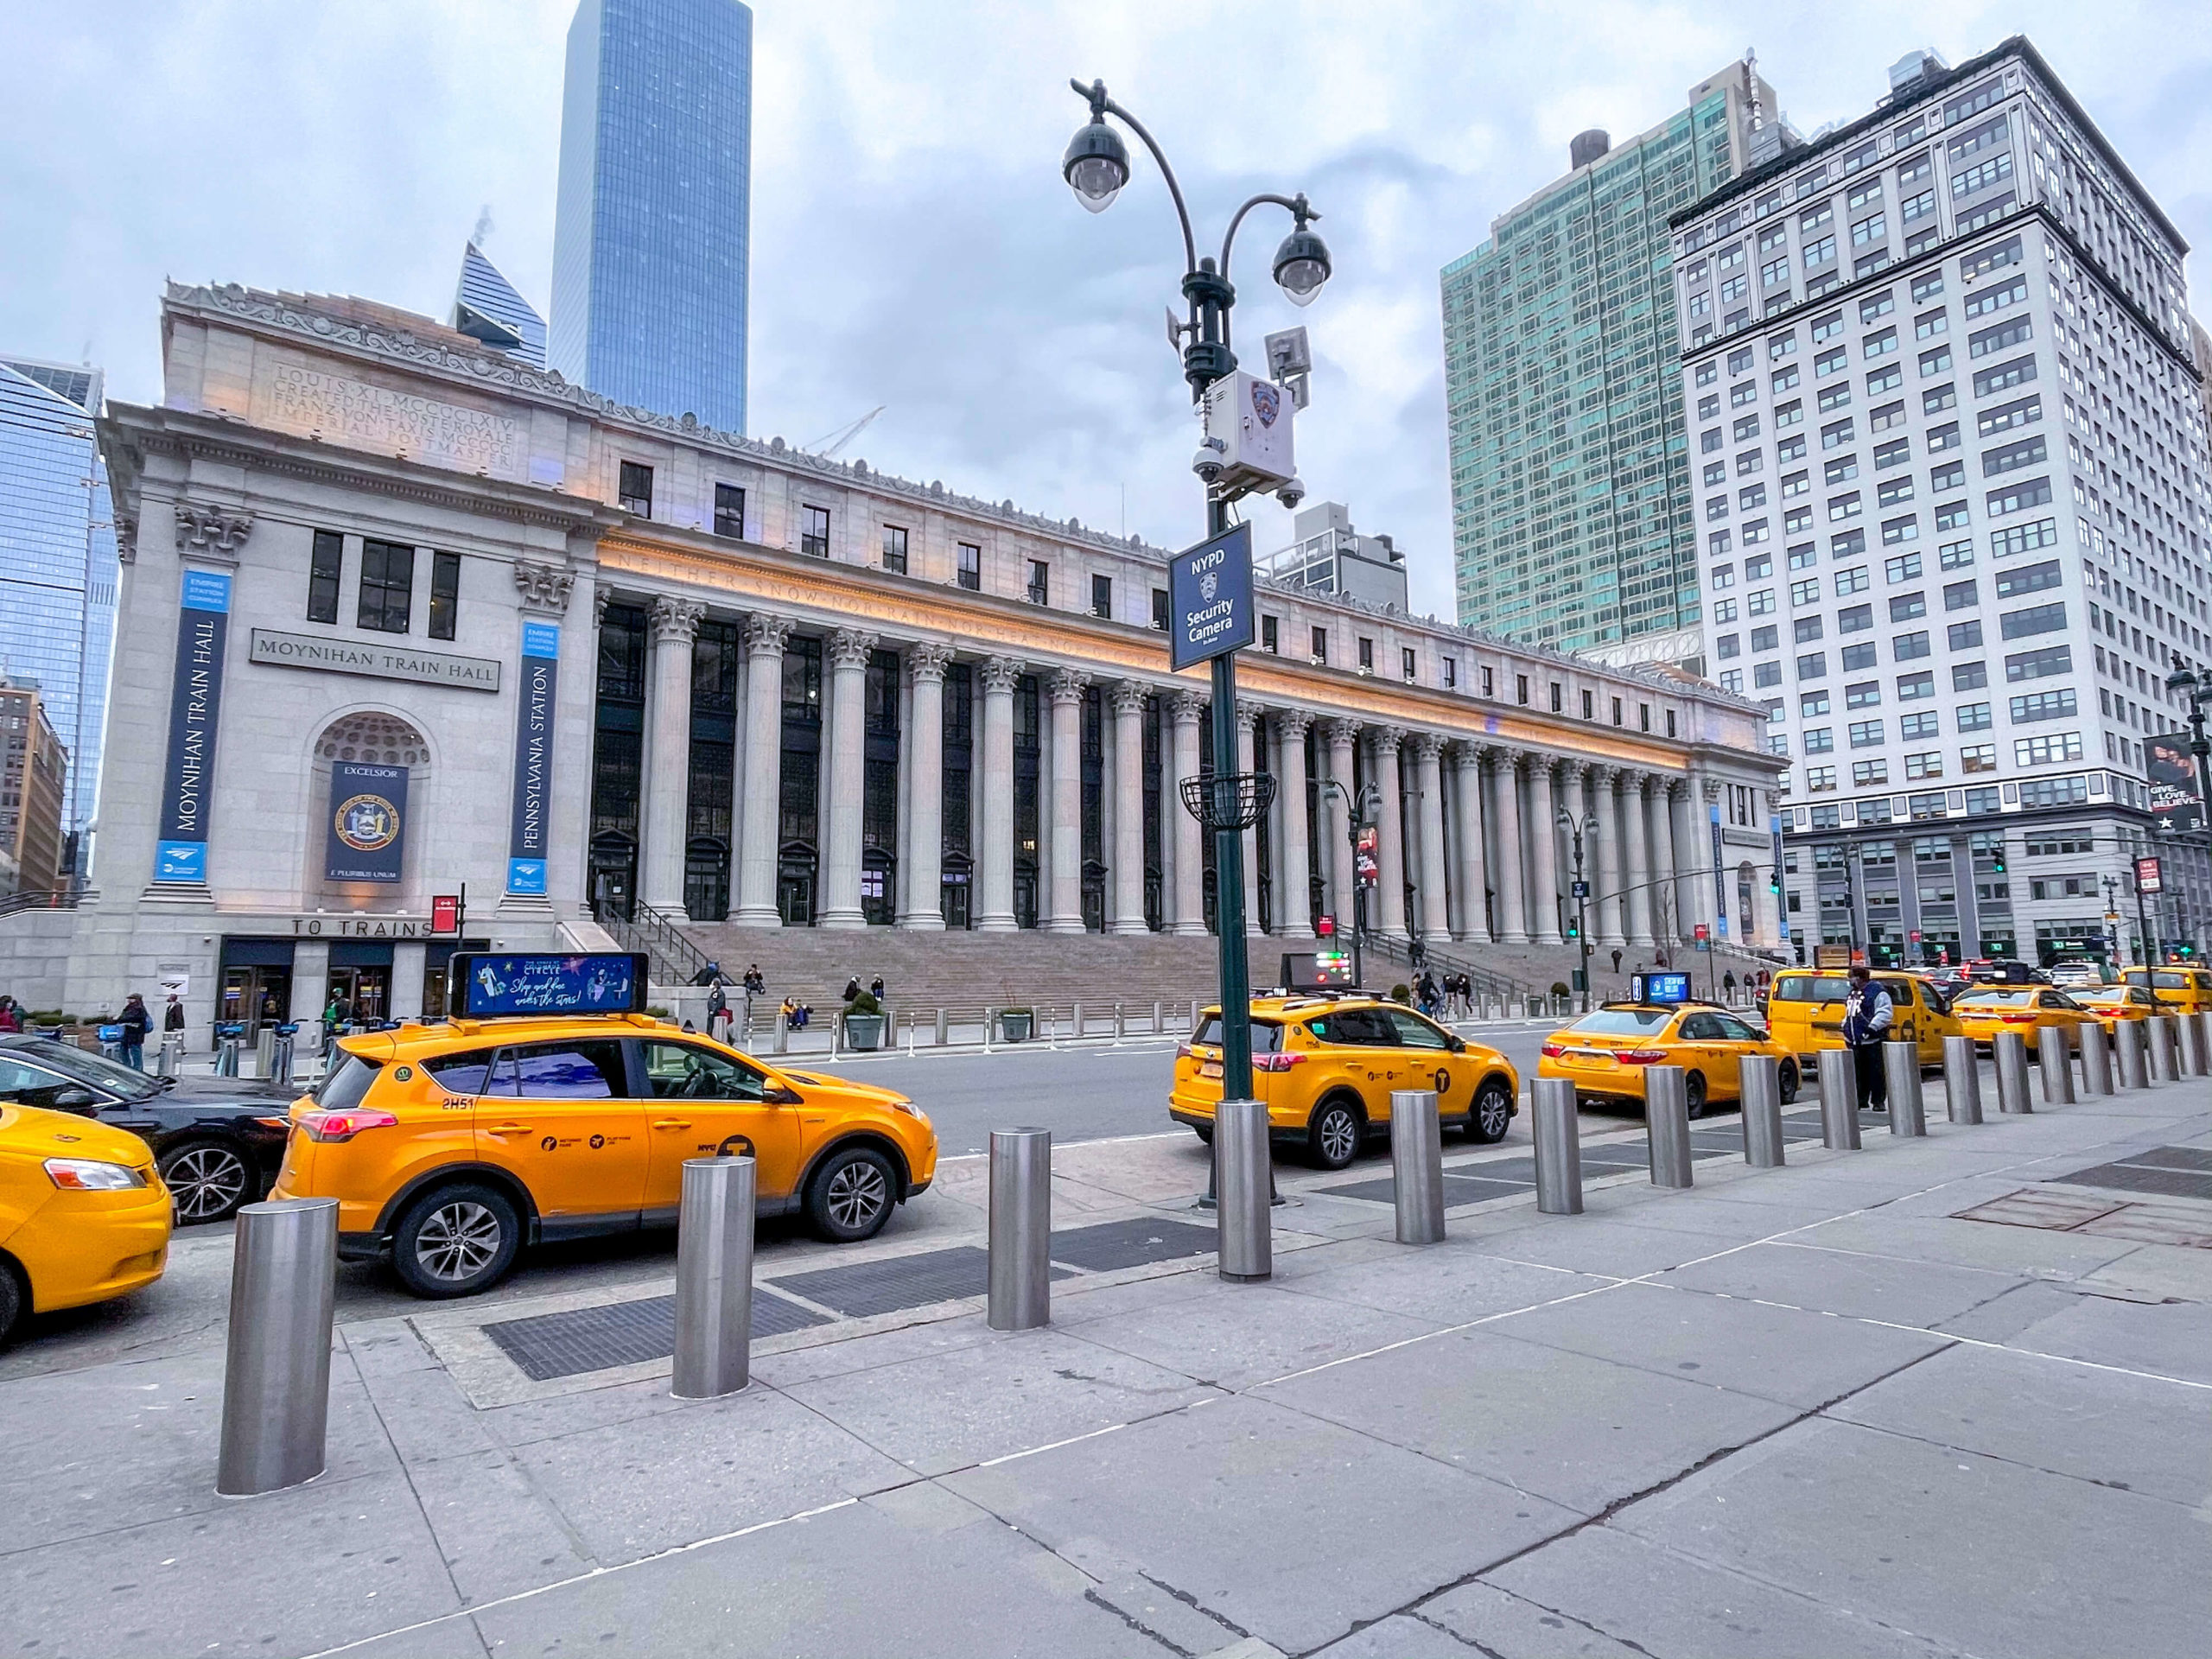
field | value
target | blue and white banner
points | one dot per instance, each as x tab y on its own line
366	835
1781	889
1719	878
533	790
195	702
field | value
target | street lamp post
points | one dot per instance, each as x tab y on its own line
1581	891
1097	166
1359	814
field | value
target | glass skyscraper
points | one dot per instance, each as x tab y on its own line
652	223
486	308
1571	512
58	566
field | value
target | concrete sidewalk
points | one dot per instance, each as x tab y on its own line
1928	1398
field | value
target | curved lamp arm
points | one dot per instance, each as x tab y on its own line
1101	103
1297	206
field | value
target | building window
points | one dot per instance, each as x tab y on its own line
971	570
1040	582
445	594
1321	646
1366	655
325	567
729	511
1520	689
387	586
1450	671
1271	635
894	548
1558	695
1408	663
1671	722
1102	597
1159	610
1644	713
1489	686
1617	711
634	493
1590	701
814	537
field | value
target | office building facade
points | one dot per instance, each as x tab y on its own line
1570	496
58	570
1953	492
1327	556
652	222
594	662
34	782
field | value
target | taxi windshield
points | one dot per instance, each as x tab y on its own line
1624	1022
2162	981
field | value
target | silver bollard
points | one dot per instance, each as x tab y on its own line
944	1027
2096	1060
2055	1054
1417	1166
1838	1100
280	1061
264	1052
226	1058
2165	1047
714	1279
2195	1059
1961	1081
2132	1040
1021	1229
1243	1182
170	1058
1761	1083
1667	1124
783	1032
1158	1029
1075	1023
1559	1148
277	1372
2010	1050
1901	1082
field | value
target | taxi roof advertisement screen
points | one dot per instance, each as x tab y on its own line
486	986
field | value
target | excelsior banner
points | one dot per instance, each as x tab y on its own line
364	834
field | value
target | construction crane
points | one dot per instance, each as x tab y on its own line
828	448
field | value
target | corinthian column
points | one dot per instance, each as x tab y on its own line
1670	835
1608	885
1391	837
765	638
996	915
1543	831
1335	820
1467	780
922	882
1065	913
668	767
1190	906
1512	847
1248	716
1129	810
1636	813
1294	876
1435	889
844	743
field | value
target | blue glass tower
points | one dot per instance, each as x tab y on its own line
652	225
58	565
487	308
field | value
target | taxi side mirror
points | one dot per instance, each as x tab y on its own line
777	1094
1457	1045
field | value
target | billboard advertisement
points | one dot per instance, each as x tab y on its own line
2177	787
486	986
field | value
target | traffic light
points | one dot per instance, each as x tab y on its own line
1997	859
1574	928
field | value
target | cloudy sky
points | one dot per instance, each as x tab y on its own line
913	245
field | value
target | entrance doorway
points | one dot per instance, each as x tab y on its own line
362	995
255	997
795	887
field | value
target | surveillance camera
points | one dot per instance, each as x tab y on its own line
1292	494
1209	463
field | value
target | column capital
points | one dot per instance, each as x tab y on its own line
1427	745
1460	753
543	587
1129	697
1067	685
211	532
1678	788
849	648
1250	713
1643	782
1340	732
927	661
1294	724
676	621
1000	673
1710	789
1574	771
1603	776
766	636
1185	707
1387	739
602	595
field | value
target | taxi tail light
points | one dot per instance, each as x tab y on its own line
1640	1056
1553	1050
1277	1062
2017	1018
343	1126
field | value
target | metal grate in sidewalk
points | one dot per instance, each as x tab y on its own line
2170	1171
1137	1242
548	1346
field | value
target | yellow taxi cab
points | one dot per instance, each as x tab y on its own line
1988	1009
2183	989
1325	1065
84	1216
2117	1002
449	1146
1608	1052
1805	1008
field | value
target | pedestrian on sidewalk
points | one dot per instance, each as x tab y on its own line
11	1018
1867	1015
1728	986
717	1013
172	1015
136	1021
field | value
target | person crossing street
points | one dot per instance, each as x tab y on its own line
1867	1016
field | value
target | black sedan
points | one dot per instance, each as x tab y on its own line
218	1141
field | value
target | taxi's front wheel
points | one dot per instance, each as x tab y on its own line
1493	1114
851	1195
457	1240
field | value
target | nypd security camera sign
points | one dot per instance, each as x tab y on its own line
1210	596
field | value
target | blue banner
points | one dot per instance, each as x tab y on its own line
1781	889
485	986
195	702
533	788
1209	598
365	833
1719	878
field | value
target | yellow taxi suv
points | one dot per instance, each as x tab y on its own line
1805	1008
450	1147
1325	1067
2027	1010
84	1216
1609	1052
2115	1003
2184	990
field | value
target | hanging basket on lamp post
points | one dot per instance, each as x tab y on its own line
1233	800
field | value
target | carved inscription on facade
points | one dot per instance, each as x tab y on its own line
295	395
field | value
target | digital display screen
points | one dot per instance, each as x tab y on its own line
488	985
1318	970
1666	987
